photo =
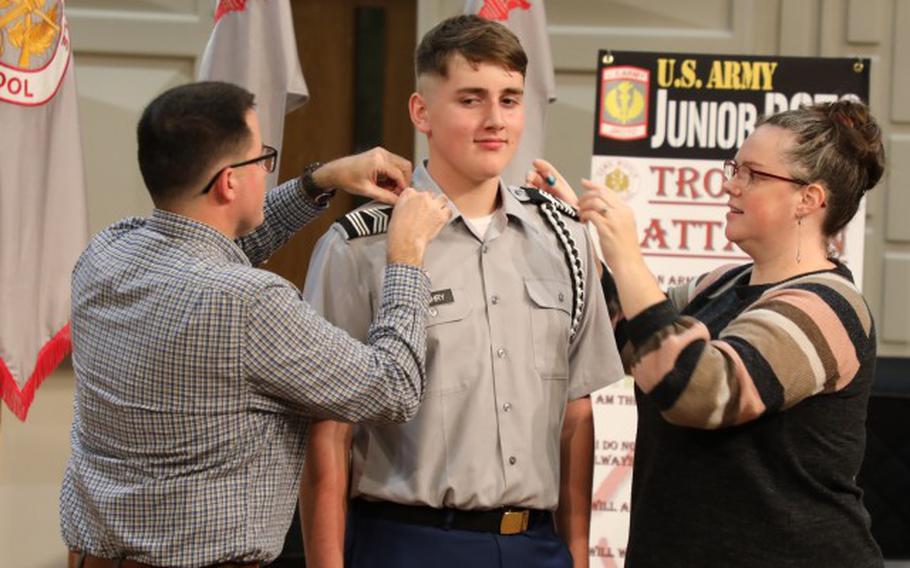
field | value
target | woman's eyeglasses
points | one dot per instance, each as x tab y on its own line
746	174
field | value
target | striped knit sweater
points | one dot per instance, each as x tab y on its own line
752	405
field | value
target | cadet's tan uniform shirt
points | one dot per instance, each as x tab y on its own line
500	367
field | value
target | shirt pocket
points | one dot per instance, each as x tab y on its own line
449	367
551	307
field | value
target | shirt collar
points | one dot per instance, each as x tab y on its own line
198	235
511	206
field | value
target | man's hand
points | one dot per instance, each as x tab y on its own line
375	174
417	219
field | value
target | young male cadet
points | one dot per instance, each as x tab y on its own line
518	337
195	371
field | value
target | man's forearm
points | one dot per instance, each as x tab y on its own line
573	516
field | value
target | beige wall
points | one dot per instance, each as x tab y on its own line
129	50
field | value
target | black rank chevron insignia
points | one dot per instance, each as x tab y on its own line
366	222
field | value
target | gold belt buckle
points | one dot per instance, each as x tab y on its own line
514	522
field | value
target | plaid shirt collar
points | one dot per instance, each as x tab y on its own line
196	235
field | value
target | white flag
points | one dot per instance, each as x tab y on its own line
528	20
43	226
253	46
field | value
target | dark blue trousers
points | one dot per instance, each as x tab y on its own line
380	543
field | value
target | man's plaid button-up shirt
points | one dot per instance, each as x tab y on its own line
196	377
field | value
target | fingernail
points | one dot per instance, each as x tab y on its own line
551	179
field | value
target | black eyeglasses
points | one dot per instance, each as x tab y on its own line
732	171
269	159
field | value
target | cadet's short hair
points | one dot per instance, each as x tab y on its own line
185	131
476	39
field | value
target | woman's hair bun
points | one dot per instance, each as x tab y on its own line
857	134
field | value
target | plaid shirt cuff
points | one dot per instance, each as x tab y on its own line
405	284
295	208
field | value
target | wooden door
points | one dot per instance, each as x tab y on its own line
357	58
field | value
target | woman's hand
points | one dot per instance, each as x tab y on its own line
615	224
614	221
547	178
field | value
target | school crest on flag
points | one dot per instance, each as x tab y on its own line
34	50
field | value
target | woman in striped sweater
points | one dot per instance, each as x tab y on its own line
752	382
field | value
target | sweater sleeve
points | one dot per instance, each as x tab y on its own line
797	340
678	297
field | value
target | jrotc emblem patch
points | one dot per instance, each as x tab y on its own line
624	108
34	50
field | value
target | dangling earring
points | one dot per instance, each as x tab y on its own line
799	239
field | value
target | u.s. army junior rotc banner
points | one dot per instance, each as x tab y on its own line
664	123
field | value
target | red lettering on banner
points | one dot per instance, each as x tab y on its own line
685	179
606	553
608	489
684	225
671	281
15	86
712	174
661	178
655	232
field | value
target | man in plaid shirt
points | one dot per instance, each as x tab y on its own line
197	374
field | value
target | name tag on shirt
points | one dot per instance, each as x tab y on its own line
439	297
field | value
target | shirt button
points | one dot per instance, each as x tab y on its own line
501	353
433	312
507	406
485	249
561	297
512	460
494	300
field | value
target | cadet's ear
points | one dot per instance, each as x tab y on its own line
417	108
